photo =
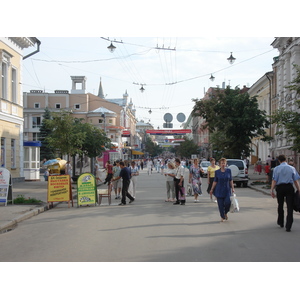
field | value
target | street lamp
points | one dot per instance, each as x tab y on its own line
212	78
150	111
142	89
111	47
231	59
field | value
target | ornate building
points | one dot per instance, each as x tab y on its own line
11	102
281	96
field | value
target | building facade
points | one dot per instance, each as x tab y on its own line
116	118
11	103
262	90
284	73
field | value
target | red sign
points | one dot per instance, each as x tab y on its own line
126	133
168	132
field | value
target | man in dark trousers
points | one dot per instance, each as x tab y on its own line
125	175
284	176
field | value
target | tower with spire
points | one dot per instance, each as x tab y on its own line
100	92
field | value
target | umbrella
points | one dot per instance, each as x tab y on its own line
51	162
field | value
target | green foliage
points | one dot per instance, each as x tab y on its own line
72	137
151	148
187	148
288	121
22	200
46	151
233	119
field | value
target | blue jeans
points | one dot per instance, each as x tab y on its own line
224	205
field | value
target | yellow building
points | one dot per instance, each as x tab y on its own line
11	103
262	90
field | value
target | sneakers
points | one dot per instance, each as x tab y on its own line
118	197
131	200
122	204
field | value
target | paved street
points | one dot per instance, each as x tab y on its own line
151	230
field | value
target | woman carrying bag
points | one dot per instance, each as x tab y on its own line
222	188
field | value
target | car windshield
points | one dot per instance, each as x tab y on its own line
205	164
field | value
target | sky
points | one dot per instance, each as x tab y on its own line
172	70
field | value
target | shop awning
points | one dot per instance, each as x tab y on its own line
134	152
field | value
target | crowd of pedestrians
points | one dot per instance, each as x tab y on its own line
123	179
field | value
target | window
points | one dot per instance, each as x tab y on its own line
110	121
35	136
13	153
36	105
3	152
57	105
100	121
36	122
14	85
77	106
4	80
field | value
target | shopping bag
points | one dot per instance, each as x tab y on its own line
181	194
234	207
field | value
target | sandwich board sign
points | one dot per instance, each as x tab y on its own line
59	189
5	186
86	189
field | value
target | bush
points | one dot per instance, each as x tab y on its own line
22	200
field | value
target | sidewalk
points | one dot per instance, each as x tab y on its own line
11	215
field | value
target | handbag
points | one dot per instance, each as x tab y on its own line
234	206
181	194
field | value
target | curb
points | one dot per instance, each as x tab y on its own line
25	216
259	190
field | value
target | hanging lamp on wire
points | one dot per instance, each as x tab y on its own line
111	47
142	89
150	111
231	59
212	78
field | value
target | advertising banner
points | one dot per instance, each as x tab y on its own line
5	185
86	189
59	189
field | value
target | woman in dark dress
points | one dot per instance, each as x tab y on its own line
222	188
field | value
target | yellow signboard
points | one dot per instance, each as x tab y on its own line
86	189
59	189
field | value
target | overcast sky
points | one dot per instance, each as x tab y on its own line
172	70
199	33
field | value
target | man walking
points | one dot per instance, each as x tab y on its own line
284	176
125	175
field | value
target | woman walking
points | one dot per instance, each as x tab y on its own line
170	173
133	180
195	179
222	188
211	175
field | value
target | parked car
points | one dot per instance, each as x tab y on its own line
239	171
204	165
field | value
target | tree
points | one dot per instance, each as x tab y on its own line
187	148
233	119
64	136
288	121
46	150
151	148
